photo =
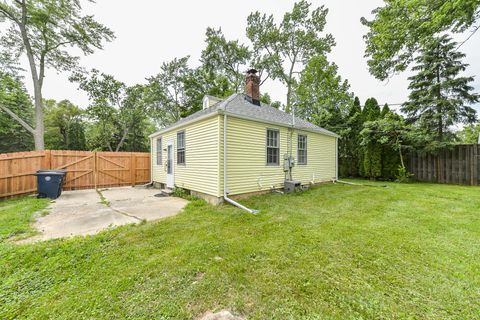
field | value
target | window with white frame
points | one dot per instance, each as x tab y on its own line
159	151
181	147
273	147
302	149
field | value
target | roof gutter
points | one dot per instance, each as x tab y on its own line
225	180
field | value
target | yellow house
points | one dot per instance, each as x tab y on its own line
239	146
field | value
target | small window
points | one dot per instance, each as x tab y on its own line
159	151
181	147
273	147
302	149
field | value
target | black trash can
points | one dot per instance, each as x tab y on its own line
49	183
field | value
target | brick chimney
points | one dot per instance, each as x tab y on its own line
252	87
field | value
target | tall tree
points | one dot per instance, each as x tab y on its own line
351	157
401	28
226	58
372	151
14	96
285	49
42	29
112	108
322	97
440	96
165	93
64	126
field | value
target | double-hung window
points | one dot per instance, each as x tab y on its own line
159	151
273	147
302	149
181	147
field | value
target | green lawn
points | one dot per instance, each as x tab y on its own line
408	251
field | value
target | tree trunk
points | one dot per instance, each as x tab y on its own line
37	82
39	126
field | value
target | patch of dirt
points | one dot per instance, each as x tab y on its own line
220	315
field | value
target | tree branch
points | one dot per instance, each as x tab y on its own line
18	119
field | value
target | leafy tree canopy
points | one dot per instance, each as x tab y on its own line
64	126
401	27
322	96
115	109
226	58
43	29
283	49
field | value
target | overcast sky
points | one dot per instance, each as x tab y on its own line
151	32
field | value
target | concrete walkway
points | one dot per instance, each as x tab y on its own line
84	212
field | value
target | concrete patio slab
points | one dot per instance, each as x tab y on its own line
142	203
83	212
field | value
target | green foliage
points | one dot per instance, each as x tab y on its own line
470	134
322	97
283	49
372	151
42	30
265	98
402	175
225	58
332	252
401	27
371	111
350	149
440	96
118	112
14	96
65	126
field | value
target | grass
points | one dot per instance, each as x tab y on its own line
408	251
16	217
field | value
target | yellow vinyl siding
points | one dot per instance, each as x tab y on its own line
246	157
247	164
200	172
321	158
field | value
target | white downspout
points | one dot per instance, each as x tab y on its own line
336	158
151	165
225	188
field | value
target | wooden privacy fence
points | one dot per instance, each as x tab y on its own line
458	165
85	169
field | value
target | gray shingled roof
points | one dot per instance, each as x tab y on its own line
237	104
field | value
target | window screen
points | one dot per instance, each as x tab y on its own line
302	149
181	147
273	147
159	151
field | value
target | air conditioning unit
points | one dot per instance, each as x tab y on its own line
292	186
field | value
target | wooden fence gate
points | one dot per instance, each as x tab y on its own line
458	165
85	169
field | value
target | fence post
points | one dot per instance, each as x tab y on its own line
95	169
132	168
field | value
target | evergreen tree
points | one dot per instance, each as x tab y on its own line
372	151
440	96
351	162
385	110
